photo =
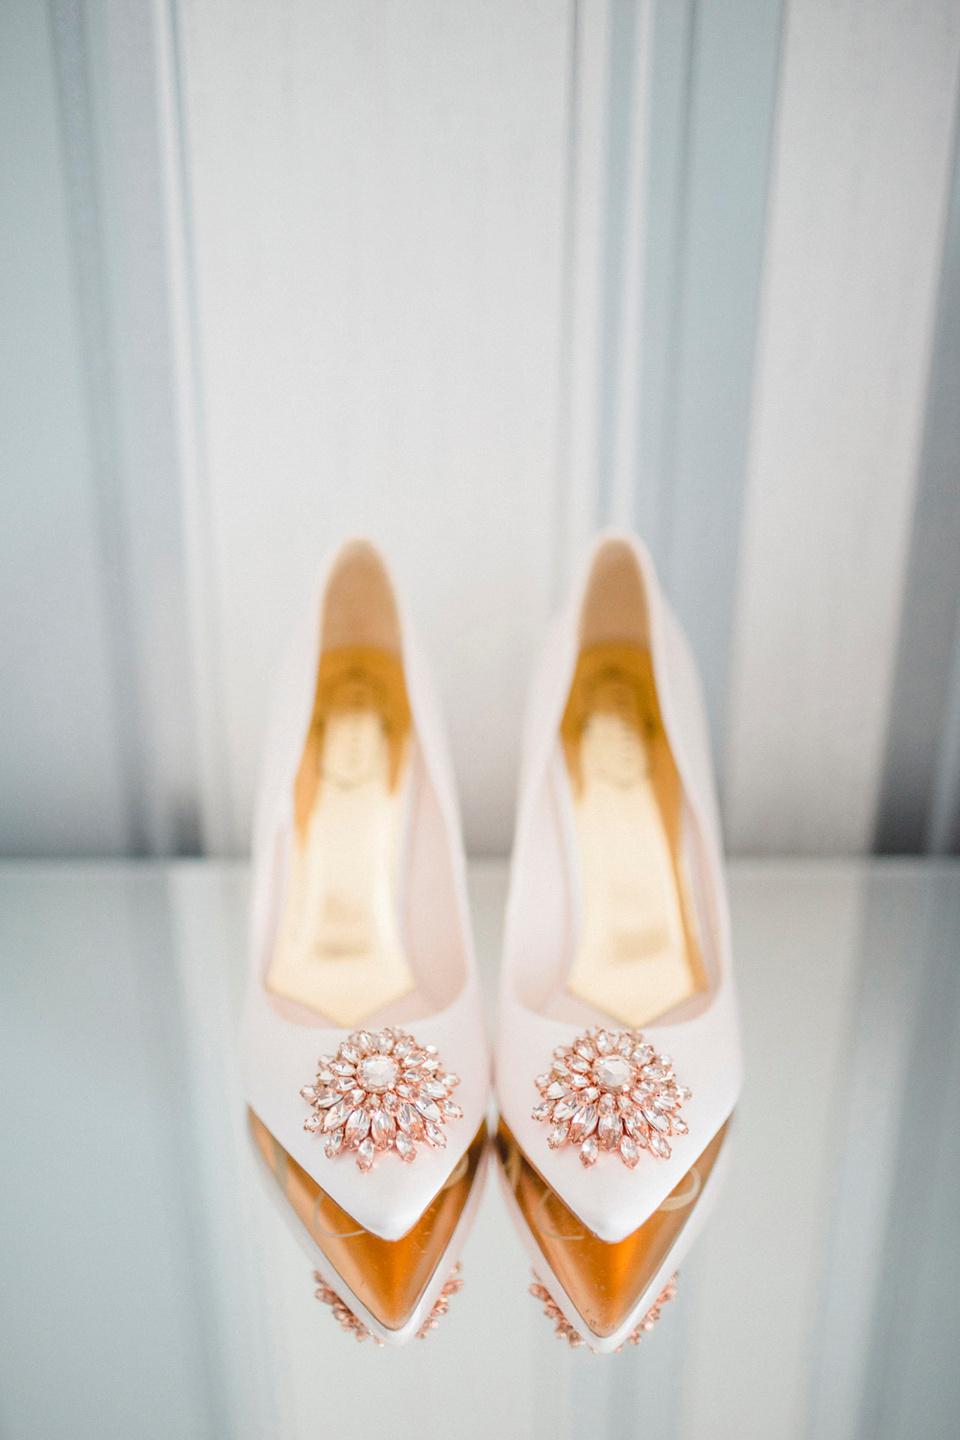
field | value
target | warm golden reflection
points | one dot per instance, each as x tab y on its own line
389	1276
638	954
605	1282
339	950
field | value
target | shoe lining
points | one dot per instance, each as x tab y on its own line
339	949
638	953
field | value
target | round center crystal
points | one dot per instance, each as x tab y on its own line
378	1072
612	1072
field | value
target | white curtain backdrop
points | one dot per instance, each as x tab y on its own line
478	278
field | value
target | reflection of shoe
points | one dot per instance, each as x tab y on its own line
390	1289
363	1051
565	1331
356	1328
618	1062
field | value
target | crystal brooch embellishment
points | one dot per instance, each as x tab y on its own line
611	1091
381	1092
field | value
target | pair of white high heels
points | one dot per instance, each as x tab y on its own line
364	1055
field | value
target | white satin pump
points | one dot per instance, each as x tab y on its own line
618	1056
364	1058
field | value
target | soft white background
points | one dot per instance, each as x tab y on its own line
477	277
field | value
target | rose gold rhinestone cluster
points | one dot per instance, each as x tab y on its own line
381	1092
565	1331
609	1090
441	1305
354	1326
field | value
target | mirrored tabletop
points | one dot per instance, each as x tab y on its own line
149	1286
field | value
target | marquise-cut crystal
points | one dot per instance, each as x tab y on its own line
542	1110
382	1129
434	1134
409	1120
638	1128
378	1072
405	1147
355	1130
365	1154
334	1143
584	1120
628	1151
589	1150
557	1136
609	1130
335	1116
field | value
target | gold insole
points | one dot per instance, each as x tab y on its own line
604	1281
638	954
338	949
389	1276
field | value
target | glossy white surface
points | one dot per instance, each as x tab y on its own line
148	1286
